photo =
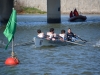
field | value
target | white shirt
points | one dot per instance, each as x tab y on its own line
51	35
41	35
63	36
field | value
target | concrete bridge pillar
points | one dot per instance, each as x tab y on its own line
53	11
5	10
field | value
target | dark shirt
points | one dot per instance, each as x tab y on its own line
76	13
70	35
71	14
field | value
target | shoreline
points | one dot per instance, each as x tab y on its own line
33	10
61	14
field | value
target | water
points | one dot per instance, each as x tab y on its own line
60	60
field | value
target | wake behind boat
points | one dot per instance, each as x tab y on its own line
39	42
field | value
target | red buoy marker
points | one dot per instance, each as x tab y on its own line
11	61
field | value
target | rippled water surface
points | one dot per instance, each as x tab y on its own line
59	60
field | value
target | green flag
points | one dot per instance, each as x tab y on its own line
10	27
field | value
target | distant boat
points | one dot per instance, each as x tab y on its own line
79	18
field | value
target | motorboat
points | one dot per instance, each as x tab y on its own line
79	18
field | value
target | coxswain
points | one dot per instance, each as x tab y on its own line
70	35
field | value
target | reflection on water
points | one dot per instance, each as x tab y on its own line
59	60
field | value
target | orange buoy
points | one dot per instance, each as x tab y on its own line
12	61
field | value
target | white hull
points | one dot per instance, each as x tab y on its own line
38	42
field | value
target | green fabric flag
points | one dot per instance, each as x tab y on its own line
10	27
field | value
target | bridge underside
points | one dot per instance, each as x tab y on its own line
53	10
5	10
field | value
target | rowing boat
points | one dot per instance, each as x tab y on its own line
39	42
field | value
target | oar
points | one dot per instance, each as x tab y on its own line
81	39
74	43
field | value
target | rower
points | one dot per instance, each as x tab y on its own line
63	35
51	34
40	34
70	35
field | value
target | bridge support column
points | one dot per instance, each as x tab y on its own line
6	9
53	11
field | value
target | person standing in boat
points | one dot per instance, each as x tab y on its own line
40	34
70	35
76	12
63	35
51	34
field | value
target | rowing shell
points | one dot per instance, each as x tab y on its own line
38	42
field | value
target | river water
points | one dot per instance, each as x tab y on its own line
59	60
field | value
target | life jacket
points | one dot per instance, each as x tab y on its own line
76	13
71	14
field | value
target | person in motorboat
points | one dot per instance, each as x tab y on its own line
40	34
51	34
76	12
76	17
70	35
63	35
71	14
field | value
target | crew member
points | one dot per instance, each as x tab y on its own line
63	35
51	34
40	34
70	35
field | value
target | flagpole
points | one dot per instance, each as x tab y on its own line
12	54
9	33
